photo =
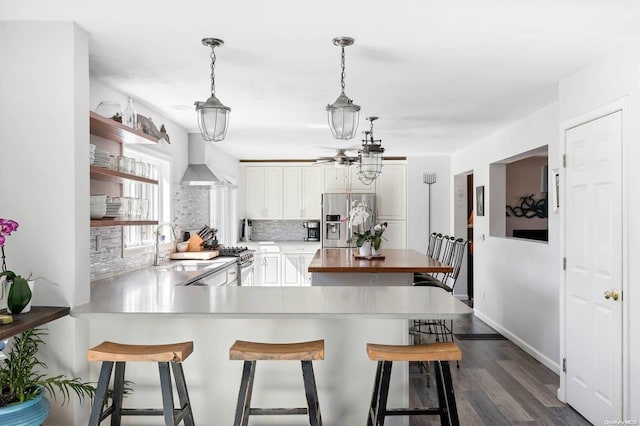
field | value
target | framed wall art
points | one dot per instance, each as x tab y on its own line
480	200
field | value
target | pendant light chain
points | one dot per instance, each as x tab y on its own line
343	75
213	71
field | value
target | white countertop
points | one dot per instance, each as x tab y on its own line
146	298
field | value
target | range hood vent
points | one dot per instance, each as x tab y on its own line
200	175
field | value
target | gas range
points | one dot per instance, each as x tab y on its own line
243	254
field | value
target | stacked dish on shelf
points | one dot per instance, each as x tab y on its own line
113	209
92	153
101	159
98	206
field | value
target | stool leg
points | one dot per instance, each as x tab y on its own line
451	398
167	394
373	409
311	391
381	388
118	392
183	393
244	395
101	393
442	402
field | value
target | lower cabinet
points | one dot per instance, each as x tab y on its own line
283	268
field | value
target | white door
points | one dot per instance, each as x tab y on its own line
593	330
391	190
312	179
254	192
273	192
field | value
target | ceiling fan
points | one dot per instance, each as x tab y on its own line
340	159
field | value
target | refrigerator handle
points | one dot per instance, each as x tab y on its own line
346	224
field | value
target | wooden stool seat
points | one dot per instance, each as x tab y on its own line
116	352
445	351
169	358
252	351
438	353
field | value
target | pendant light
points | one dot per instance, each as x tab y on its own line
213	116
370	156
343	113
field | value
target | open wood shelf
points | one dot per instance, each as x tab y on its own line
113	222
107	175
118	132
38	315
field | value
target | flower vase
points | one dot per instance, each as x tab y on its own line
365	249
374	251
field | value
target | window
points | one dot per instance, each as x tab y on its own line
150	201
223	211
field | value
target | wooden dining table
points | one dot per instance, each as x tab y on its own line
342	266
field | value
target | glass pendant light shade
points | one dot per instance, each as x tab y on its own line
343	114
343	117
370	157
213	116
213	119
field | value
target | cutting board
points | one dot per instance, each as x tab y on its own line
197	255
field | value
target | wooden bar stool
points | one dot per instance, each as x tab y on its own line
110	353
250	352
440	354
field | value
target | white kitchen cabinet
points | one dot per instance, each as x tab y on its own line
396	235
263	192
391	192
292	265
270	269
302	190
345	179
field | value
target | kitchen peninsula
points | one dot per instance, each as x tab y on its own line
213	318
339	266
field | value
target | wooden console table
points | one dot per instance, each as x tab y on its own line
38	315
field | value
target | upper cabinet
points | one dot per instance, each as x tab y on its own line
263	192
302	190
109	135
391	192
345	179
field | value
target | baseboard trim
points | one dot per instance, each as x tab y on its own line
546	361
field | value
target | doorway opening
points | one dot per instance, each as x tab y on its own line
463	215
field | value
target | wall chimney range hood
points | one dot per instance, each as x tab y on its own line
198	173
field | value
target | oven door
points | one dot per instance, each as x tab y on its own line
247	273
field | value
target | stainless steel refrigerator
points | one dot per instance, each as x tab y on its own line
335	214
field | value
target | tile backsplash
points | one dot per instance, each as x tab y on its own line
190	211
278	230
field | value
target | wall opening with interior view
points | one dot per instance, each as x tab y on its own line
520	196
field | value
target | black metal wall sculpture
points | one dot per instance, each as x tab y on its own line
529	208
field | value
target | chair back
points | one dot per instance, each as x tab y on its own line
459	249
436	246
432	244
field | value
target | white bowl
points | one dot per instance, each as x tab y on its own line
182	247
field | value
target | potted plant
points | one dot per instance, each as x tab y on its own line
23	384
359	220
376	237
19	290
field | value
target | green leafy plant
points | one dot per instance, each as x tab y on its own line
21	377
19	292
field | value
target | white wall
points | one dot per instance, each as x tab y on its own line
44	169
417	199
614	77
516	282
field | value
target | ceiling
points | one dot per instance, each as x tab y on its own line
440	74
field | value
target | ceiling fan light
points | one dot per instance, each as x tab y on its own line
343	117
213	119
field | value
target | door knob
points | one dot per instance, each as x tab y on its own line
613	294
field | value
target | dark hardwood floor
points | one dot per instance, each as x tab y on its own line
497	384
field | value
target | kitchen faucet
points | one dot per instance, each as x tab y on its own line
156	259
